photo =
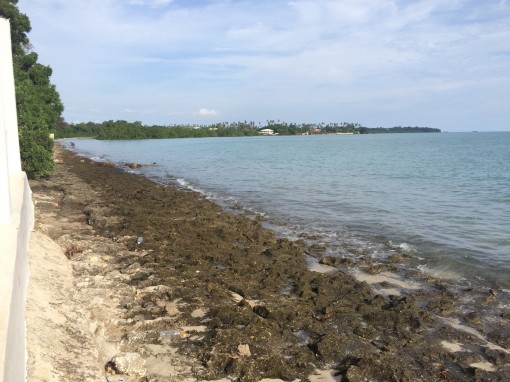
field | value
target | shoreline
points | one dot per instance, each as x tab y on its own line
246	301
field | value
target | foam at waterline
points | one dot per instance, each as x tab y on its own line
404	247
185	184
229	202
326	375
452	347
439	273
455	347
484	365
389	278
315	266
456	324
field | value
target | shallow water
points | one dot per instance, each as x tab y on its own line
444	198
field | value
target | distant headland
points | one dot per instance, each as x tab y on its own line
136	130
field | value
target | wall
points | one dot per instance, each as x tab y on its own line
16	223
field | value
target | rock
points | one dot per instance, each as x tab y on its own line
261	311
378	300
346	261
317	248
355	374
132	269
331	261
118	378
496	356
129	363
244	350
105	164
473	318
138	165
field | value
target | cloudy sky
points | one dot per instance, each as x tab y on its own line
436	63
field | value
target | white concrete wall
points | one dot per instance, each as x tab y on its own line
16	223
5	201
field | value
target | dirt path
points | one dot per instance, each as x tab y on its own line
77	295
244	304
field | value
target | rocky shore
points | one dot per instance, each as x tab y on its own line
211	295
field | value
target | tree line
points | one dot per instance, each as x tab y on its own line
38	103
121	129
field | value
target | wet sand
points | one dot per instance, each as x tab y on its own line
245	304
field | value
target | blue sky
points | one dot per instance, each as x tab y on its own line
436	63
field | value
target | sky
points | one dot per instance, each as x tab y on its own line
380	63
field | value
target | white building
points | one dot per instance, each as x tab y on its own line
267	132
16	222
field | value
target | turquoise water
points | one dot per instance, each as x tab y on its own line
444	198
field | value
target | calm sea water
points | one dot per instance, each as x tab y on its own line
442	197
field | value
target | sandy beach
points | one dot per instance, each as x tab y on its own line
213	295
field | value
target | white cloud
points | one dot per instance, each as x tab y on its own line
151	3
208	112
130	111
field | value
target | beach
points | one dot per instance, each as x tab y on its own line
214	295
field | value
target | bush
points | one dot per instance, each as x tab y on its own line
37	100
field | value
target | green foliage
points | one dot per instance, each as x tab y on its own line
135	130
34	148
20	26
37	100
400	129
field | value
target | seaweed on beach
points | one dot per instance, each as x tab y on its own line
249	305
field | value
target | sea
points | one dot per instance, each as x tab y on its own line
443	199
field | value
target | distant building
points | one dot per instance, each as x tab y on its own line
267	132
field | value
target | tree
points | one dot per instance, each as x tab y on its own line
37	100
